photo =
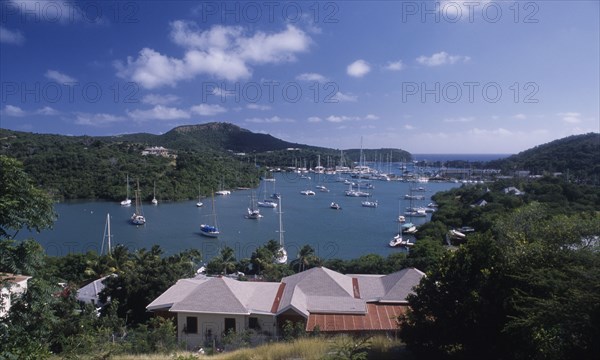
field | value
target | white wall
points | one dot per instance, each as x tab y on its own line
216	324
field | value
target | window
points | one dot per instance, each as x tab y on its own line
253	323
191	325
229	325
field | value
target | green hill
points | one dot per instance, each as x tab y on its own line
203	158
577	157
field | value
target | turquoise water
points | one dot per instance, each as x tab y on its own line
347	233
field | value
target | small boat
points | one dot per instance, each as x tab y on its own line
307	192
127	201
154	201
401	218
409	228
138	217
372	204
223	192
335	206
211	230
268	203
281	257
414	197
420	188
276	196
455	234
399	241
253	212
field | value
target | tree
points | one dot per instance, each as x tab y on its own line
22	205
306	259
527	290
224	263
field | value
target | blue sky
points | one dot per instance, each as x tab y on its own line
425	76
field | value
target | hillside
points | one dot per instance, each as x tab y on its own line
577	156
203	159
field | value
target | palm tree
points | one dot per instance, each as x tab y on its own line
306	259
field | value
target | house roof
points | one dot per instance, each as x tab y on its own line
378	317
217	295
176	293
392	288
13	278
315	291
91	290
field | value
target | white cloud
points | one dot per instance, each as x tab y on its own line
395	66
311	77
271	120
59	77
314	119
409	127
258	107
344	118
341	97
441	58
359	68
462	119
15	111
14	37
158	99
520	116
159	112
225	52
570	117
97	119
207	109
47	110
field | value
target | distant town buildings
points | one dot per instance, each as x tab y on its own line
157	151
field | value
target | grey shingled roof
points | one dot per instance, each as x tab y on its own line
217	295
318	288
176	293
390	288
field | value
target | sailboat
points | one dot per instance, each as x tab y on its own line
211	230
253	211
138	217
268	203
106	237
281	257
199	203
127	201
154	201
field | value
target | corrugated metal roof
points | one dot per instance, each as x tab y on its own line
379	317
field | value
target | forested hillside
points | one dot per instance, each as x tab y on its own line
577	157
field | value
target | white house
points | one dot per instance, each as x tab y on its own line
207	307
11	286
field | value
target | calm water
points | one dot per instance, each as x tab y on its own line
347	233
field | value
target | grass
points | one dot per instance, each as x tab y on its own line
303	348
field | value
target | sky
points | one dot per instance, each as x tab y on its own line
424	76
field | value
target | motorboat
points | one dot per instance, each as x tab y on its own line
335	206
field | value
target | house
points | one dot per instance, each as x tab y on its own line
156	151
90	293
479	203
11	286
207	307
513	190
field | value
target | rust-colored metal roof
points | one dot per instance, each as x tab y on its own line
379	317
277	299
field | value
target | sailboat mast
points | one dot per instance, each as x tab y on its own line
109	235
280	225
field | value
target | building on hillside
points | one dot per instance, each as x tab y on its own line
205	308
90	293
513	191
156	151
11	286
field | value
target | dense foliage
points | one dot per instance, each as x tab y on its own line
575	156
528	289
